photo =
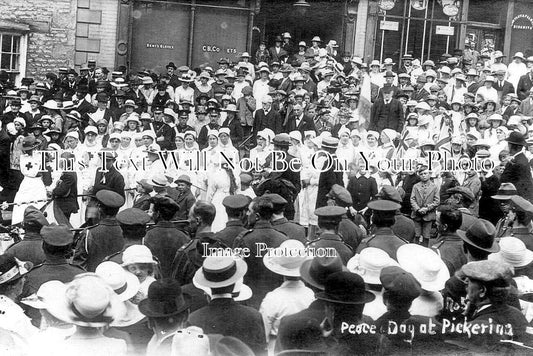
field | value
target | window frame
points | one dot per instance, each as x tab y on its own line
20	72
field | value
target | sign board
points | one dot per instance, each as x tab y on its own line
388	25
445	30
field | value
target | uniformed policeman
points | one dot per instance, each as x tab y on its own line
351	234
133	224
504	194
403	227
329	218
236	207
101	240
31	247
57	244
280	222
383	217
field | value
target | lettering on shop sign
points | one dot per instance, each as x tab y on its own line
388	25
525	24
159	45
216	49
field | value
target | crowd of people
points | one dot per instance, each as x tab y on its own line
297	202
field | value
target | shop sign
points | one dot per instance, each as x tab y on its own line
388	25
216	49
445	30
522	22
159	45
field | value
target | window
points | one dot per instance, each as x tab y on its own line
10	52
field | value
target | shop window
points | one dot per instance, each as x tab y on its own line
496	13
10	52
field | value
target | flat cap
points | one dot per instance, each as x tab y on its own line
110	198
34	216
330	212
246	178
400	282
276	199
57	235
282	140
488	271
237	201
383	205
341	195
388	192
133	216
464	191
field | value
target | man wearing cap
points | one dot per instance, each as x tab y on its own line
350	233
519	220
403	226
31	247
108	178
502	86
383	218
503	196
329	218
214	118
185	198
488	291
133	224
280	222
260	236
233	124
386	113
165	135
328	177
246	105
236	208
103	239
525	83
223	315
277	53
517	171
164	239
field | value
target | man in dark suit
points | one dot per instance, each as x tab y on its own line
328	177
65	193
261	234
299	121
502	86
185	198
164	239
386	113
526	81
277	53
517	170
267	118
223	315
420	93
389	80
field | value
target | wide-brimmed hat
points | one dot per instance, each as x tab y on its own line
124	283
183	179
345	288
44	294
428	268
316	271
481	235
240	293
12	268
86	301
137	254
29	143
286	259
165	299
369	263
51	104
217	272
519	55
513	251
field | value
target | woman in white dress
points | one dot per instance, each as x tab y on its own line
212	160
345	152
309	176
263	148
32	187
220	184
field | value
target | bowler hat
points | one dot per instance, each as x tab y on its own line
165	299
516	138
316	271
171	65
481	235
282	140
345	288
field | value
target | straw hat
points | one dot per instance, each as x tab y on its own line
369	263
513	251
428	268
240	293
286	259
124	283
217	272
44	294
86	301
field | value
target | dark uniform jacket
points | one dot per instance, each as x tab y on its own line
226	317
228	234
98	242
326	180
166	135
450	249
503	315
305	124
164	240
142	202
384	239
351	234
110	180
258	277
524	84
289	228
30	249
189	257
185	201
404	227
329	240
66	193
518	172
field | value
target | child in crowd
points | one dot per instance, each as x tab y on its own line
424	201
138	259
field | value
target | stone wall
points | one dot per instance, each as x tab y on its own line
51	39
